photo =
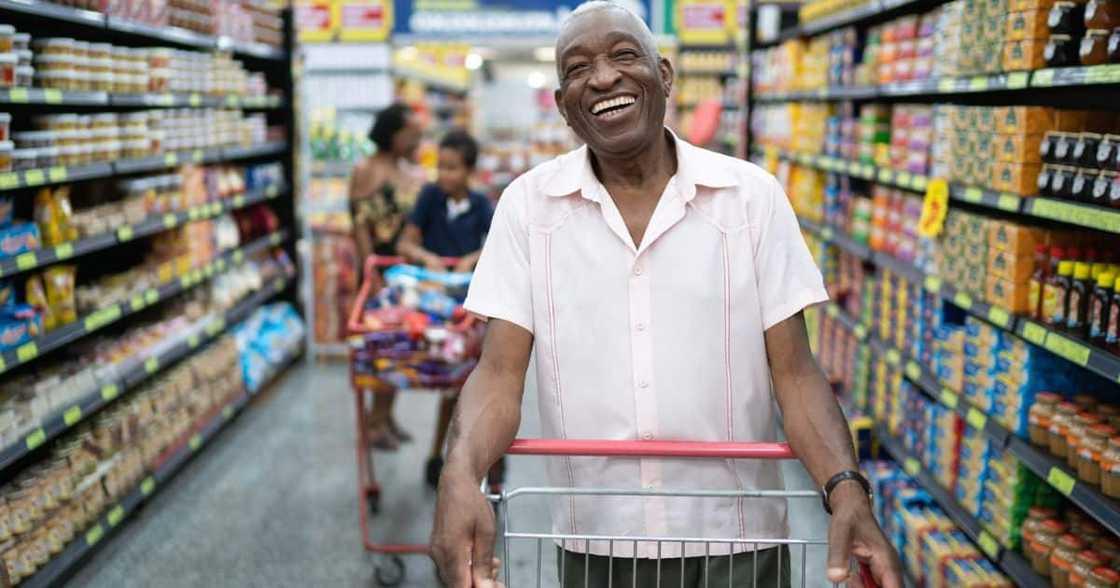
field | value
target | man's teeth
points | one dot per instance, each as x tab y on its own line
612	103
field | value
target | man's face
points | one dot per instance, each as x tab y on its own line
406	143
613	87
454	175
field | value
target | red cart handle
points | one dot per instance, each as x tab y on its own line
615	448
371	282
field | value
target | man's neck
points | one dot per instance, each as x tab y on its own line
653	165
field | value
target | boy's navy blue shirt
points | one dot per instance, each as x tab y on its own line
451	237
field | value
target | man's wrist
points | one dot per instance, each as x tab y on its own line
849	495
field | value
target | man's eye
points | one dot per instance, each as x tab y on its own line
576	69
626	55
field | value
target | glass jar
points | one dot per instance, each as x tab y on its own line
1110	469
1039	416
1045	538
1085	402
1076	433
1061	51
1103	578
1093	49
1102	14
1035	517
1093	445
1083	565
1059	427
1062	558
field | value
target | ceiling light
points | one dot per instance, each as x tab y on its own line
546	54
537	80
473	61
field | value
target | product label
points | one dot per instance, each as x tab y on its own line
1052	312
1074	321
1059	479
1096	325
1112	333
1034	295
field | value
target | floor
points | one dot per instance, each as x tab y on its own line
273	502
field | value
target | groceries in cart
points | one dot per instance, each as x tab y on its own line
416	333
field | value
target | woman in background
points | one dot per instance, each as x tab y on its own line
383	188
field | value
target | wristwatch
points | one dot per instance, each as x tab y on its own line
826	490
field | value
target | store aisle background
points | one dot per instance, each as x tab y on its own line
273	501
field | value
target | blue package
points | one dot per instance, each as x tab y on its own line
18	238
411	274
19	323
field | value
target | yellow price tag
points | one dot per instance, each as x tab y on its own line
8	181
1067	348
116	515
1043	78
136	303
999	316
978	84
932	284
227	412
125	233
34	177
972	194
934	208
72	415
946	86
963	300
238	201
988	545
195	100
885	176
63	251
18	95
148	486
1017	80
94	535
151	296
197	156
913	371
171	159
1058	478
1034	332
109	392
170	220
903	179
27	352
1008	202
238	256
195	442
893	356
860	332
151	366
276	238
27	260
36	438
57	174
976	419
52	96
949	398
911	466
192	341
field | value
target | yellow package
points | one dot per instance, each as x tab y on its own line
59	281
37	297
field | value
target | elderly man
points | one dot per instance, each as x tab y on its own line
662	286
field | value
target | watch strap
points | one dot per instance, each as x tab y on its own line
830	485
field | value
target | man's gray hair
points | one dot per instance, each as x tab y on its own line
591	6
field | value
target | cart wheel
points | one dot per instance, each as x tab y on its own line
391	574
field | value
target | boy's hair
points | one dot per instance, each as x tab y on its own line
387	124
464	143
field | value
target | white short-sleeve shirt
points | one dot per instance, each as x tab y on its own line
661	341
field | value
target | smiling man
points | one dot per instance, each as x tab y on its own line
661	286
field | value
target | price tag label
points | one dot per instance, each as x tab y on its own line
238	201
192	341
170	220
893	357
1034	332
1067	348
976	419
275	238
1094	217
827	234
963	300
171	159
215	208
946	86
151	365
215	327
151	296
913	371
971	194
18	95
227	412
72	415
1017	80
231	101
197	155
903	179
279	285
1043	78
8	181
932	284
832	311
148	486
36	438
988	545
1008	202
109	392
1058	478
57	174
860	332
949	398
911	466
125	233
102	317
34	177
63	251
885	176
116	515
27	260
195	100
27	352
238	256
220	264
94	535
935	206
978	84
195	442
52	96
999	317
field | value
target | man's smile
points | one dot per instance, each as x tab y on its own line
609	108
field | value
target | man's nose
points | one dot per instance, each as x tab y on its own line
604	76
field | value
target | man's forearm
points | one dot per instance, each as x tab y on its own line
486	420
814	424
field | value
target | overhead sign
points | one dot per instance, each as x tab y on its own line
315	20
364	20
706	22
466	19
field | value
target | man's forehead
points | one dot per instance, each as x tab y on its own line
614	24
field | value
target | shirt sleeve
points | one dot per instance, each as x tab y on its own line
788	278
500	287
486	216
422	210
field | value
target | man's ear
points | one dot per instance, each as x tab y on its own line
560	105
666	70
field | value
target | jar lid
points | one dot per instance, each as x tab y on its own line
1071	542
1047	397
1106	574
22	37
1090	557
26	152
1069	407
1102	430
8	57
7	30
7	146
1054	526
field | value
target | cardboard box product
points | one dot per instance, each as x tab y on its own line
1017	148
1028	120
1009	265
1006	294
982	172
1016	238
986	120
1017	178
1024	55
984	146
1030	24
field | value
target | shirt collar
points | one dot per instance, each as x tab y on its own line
695	167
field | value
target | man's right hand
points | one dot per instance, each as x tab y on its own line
463	533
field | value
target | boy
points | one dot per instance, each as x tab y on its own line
449	220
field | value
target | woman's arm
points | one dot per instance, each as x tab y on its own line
410	246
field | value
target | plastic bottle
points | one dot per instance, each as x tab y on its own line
1112	334
1057	295
1049	296
1077	300
1038	282
1099	306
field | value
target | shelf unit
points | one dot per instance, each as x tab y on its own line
117	380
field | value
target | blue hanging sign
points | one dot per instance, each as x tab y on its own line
468	19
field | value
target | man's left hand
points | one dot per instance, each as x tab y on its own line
465	265
854	532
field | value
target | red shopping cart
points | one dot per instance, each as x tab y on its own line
530	570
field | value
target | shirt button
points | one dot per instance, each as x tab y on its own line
641	326
647	436
637	270
643	384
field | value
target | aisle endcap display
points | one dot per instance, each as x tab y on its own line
1093	217
1012	564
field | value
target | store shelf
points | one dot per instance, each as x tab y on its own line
62	174
54	12
84	544
1014	565
154	223
39	96
135	371
1047	467
112	313
1084	215
1074	350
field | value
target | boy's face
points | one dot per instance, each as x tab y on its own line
454	175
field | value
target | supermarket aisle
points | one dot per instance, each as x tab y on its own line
273	502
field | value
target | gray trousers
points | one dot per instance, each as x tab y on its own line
743	570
